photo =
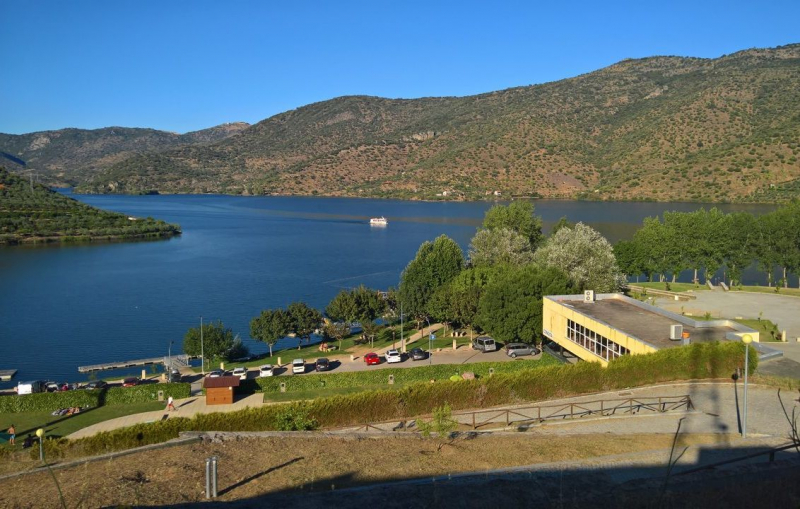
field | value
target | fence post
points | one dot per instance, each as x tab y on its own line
602	411
214	476
473	420
508	418
208	477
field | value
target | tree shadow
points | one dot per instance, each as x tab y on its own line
258	475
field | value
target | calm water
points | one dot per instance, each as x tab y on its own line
66	306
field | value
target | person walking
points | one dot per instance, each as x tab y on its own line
12	432
170	403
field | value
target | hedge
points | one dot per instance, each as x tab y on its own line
49	401
402	376
710	360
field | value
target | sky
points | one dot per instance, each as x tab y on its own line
187	65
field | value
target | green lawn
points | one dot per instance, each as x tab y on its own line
768	330
672	287
794	292
55	426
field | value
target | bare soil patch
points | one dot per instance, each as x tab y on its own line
249	467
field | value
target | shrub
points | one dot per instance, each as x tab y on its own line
295	417
49	401
708	360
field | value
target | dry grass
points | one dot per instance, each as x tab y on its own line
257	466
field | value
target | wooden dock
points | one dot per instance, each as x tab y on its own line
7	374
177	359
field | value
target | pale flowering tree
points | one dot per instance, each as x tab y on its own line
499	246
585	255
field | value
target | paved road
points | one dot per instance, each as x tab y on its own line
782	310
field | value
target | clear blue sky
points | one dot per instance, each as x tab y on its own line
187	65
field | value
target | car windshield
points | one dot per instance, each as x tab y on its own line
297	361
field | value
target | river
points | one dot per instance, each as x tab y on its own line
66	306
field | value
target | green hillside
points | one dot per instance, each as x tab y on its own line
69	156
660	128
34	213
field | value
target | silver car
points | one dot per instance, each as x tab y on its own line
515	349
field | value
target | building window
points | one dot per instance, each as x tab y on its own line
594	342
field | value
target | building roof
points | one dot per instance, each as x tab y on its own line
220	381
644	324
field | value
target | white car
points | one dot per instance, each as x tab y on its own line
266	370
241	372
393	356
298	366
214	374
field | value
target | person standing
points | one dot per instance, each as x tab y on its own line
170	403
12	431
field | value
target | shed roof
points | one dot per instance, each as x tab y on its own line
220	381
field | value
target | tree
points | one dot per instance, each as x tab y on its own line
740	244
519	217
217	341
304	320
511	307
436	263
499	246
585	255
441	423
336	330
270	326
629	259
562	222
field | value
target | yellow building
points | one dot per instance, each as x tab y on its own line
599	328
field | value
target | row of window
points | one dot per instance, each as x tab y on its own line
595	343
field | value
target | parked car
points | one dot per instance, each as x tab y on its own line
298	366
241	372
417	354
31	387
266	370
66	386
131	381
174	376
96	384
215	373
515	349
51	386
393	356
484	344
372	358
322	364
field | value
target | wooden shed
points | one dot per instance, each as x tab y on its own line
220	389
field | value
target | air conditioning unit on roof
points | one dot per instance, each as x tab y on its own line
675	332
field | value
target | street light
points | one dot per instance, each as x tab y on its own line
169	358
202	357
746	339
430	341
40	434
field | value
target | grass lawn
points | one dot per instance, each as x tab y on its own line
794	292
768	330
672	287
59	426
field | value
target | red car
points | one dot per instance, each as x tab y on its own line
372	358
130	382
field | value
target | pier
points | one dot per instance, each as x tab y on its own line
177	361
7	374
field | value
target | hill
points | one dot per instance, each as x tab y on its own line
660	128
30	213
70	156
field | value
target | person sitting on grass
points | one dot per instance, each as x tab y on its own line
28	442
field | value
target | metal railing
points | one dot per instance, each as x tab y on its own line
548	412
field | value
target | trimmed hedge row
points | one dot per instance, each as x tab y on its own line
711	360
49	401
401	375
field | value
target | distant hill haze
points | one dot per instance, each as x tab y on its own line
660	128
71	156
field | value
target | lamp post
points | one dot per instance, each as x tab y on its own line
169	359
40	434
746	339
430	342
202	356
402	340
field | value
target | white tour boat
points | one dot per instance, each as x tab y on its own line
378	221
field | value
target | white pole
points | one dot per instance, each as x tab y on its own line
202	353
744	415
402	340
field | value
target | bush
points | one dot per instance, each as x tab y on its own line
402	376
295	417
49	401
698	361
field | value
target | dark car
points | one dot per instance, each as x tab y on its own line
417	354
322	364
96	384
131	381
174	376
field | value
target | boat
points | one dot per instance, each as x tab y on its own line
378	221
